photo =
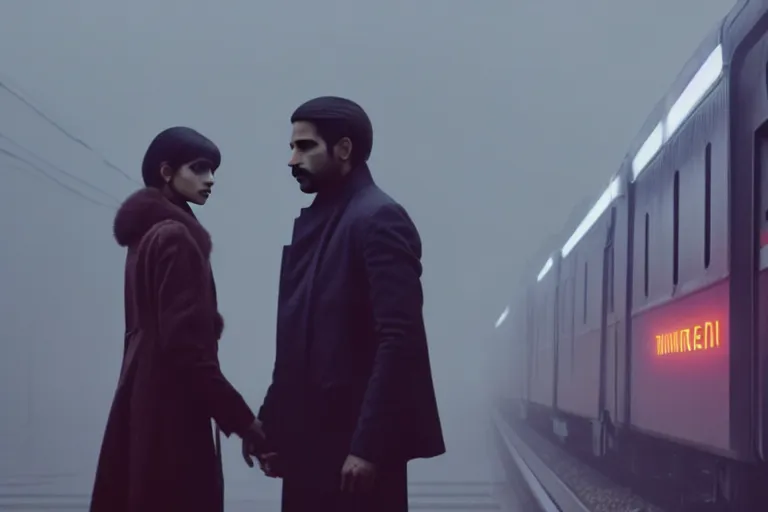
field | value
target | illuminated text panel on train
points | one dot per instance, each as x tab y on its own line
680	368
697	337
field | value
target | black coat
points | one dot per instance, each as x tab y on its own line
158	452
352	371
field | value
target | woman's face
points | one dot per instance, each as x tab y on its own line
193	181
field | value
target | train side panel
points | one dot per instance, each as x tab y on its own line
615	361
516	336
680	303
542	304
592	340
580	319
519	355
565	350
749	232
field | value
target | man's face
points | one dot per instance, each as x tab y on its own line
193	180
311	162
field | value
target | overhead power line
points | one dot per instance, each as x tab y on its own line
45	174
83	182
64	131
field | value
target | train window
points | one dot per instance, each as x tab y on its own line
707	204
766	76
612	278
647	221
585	291
676	229
612	262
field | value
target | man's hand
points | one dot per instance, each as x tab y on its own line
253	442
357	475
270	465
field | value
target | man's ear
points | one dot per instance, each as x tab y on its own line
343	149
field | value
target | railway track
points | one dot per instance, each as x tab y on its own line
548	491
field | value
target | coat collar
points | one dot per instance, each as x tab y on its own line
147	207
358	178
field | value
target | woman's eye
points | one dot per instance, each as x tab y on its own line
201	167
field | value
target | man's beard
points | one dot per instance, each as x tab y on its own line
312	183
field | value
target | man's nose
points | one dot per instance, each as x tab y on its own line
294	161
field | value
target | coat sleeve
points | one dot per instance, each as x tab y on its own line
187	331
392	256
267	410
267	413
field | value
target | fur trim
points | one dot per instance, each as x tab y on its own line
147	207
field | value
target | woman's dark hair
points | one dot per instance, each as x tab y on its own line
176	146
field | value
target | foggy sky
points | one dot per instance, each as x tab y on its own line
492	120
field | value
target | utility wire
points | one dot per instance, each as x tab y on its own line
45	174
64	131
59	169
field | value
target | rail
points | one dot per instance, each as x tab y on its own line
549	491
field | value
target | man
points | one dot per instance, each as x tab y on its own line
352	398
158	451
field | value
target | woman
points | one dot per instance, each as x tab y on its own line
158	452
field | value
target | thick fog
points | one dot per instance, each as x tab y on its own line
492	120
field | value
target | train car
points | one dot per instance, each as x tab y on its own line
540	317
650	322
509	360
591	348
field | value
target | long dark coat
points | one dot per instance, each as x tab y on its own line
352	371
158	450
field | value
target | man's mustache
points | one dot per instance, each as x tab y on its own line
298	171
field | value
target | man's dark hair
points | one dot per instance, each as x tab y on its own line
176	146
336	118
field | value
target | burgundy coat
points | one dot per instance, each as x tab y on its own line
158	450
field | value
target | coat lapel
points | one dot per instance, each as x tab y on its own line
314	250
302	260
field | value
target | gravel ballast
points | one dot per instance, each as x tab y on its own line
593	488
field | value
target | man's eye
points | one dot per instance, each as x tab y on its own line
304	146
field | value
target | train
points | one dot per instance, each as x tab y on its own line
646	330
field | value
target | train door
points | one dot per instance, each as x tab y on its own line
607	387
556	337
761	188
530	342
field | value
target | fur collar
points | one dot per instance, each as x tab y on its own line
147	207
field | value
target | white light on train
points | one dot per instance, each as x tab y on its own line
694	92
648	150
696	89
602	204
545	269
502	317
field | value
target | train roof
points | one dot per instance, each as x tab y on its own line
702	70
692	83
651	136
